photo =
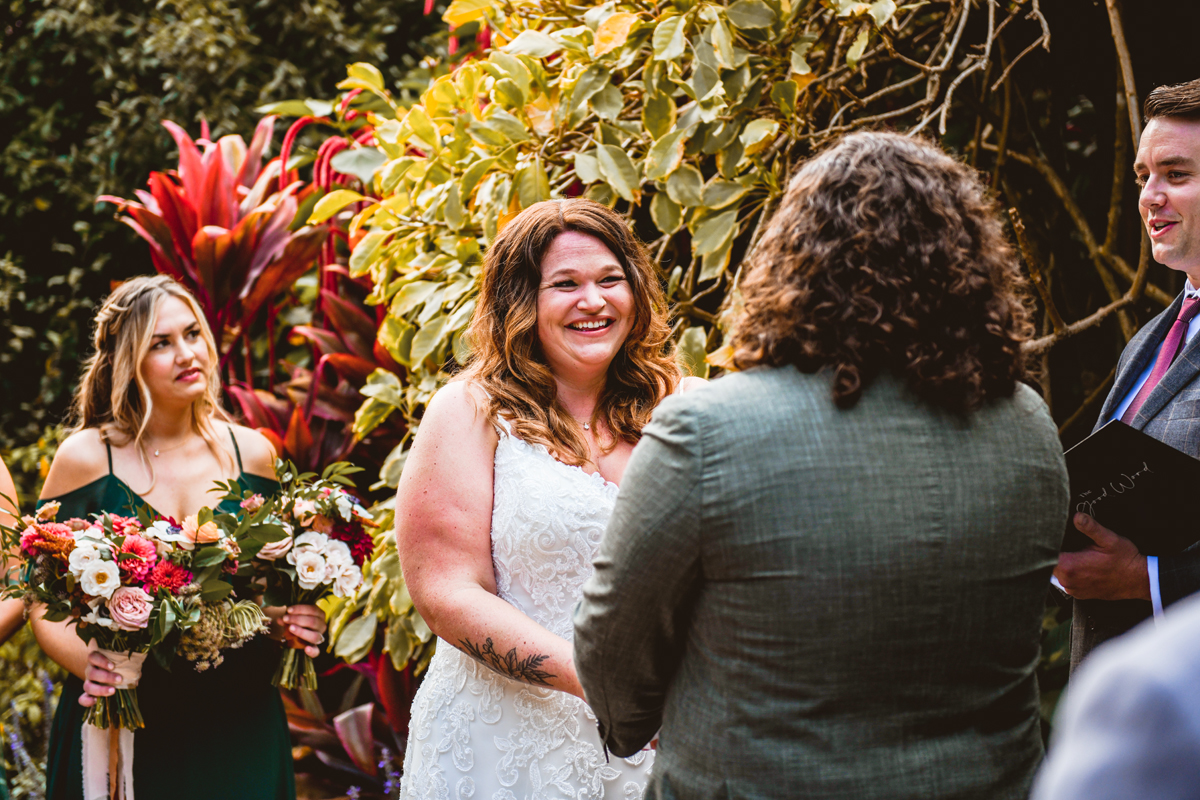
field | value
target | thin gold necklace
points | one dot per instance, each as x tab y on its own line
169	449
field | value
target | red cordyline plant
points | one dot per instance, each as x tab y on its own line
220	224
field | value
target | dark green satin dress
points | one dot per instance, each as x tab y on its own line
216	734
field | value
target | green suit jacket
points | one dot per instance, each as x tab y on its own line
816	603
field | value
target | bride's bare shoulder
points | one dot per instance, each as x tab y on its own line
81	459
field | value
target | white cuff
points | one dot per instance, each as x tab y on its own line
1155	592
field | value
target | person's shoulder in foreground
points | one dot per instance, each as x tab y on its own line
1130	722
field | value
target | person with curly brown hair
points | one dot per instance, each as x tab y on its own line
825	574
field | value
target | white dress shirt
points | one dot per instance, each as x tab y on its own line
1193	327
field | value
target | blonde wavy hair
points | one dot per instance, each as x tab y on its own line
112	395
507	360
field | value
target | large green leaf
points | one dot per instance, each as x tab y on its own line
685	186
658	114
533	43
668	41
749	14
355	640
331	204
666	213
665	155
619	171
587	167
427	339
593	79
719	193
713	231
692	352
532	183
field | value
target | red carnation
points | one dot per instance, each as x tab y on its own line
356	538
136	569
167	575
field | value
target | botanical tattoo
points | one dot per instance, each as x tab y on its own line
508	665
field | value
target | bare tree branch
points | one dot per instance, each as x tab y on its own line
1118	30
1036	271
1096	394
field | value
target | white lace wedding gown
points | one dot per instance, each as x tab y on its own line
477	734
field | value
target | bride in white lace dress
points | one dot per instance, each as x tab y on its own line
504	500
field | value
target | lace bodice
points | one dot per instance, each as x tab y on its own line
477	734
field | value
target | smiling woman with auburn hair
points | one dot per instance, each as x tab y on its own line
150	434
505	496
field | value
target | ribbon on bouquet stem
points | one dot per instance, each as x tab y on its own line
97	751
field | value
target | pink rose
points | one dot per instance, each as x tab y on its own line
253	503
304	511
130	608
274	550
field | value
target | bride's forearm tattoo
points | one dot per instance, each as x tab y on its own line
508	665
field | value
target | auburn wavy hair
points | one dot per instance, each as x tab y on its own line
887	254
507	360
112	395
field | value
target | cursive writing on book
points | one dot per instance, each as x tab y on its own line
1090	498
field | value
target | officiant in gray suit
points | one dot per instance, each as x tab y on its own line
1155	390
825	574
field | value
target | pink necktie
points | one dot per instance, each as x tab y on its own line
1170	349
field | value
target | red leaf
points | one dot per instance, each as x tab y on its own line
216	203
298	441
178	214
357	329
298	257
326	341
351	367
191	169
252	165
354	730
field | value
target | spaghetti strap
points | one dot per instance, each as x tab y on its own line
237	452
108	447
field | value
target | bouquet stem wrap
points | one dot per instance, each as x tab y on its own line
295	671
120	712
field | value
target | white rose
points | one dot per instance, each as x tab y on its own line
338	554
314	540
85	553
311	568
100	578
347	581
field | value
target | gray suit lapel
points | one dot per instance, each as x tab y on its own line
1141	349
1182	372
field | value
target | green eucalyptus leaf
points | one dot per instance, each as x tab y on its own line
474	174
608	102
453	210
593	79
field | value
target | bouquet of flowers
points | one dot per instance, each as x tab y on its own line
136	587
322	543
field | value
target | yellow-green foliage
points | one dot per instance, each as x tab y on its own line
25	673
686	116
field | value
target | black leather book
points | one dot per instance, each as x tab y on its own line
1135	485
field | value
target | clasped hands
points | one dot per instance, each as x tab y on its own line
1111	568
299	626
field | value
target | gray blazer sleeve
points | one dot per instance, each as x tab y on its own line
631	624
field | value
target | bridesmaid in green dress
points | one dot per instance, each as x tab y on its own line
12	612
151	432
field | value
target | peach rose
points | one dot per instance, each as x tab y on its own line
194	533
304	511
322	524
